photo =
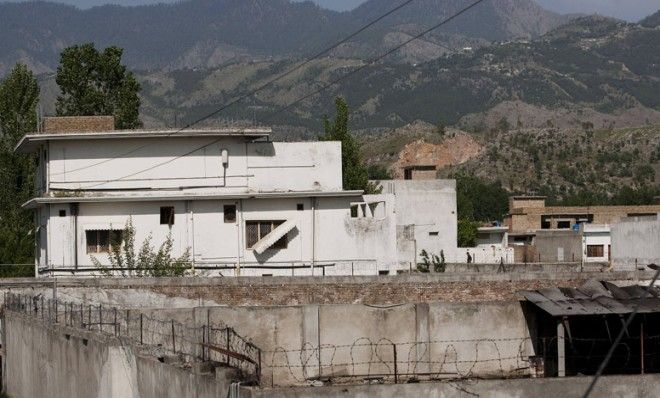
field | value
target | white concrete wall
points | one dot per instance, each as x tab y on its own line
636	242
360	246
482	254
252	167
427	209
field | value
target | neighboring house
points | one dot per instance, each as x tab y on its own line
596	243
636	242
242	204
558	246
527	214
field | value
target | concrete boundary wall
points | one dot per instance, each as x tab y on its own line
59	362
443	339
634	386
385	290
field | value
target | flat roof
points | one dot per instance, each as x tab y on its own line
137	197
492	229
29	142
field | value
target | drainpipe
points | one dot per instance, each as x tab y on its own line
239	221
74	213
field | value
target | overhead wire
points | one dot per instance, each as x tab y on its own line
255	90
374	60
299	100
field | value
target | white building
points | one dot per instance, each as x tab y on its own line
596	243
241	204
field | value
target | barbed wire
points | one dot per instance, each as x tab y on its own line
135	327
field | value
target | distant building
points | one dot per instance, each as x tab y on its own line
242	204
596	243
528	214
420	172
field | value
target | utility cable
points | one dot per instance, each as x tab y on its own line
374	60
256	90
371	62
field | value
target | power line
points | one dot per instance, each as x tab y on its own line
374	60
256	90
371	62
624	329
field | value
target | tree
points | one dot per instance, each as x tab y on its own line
354	172
467	233
19	95
95	83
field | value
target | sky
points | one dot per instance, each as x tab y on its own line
631	10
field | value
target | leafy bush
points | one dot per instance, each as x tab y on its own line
147	262
432	261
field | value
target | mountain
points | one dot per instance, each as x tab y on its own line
592	70
652	21
206	33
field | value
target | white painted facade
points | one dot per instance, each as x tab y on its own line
218	182
596	243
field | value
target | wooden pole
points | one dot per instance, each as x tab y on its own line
641	345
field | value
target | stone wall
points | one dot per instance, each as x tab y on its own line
486	285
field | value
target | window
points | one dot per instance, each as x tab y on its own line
100	240
595	250
368	210
62	213
300	207
167	215
230	214
563	224
434	233
257	230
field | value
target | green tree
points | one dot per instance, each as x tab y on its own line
19	95
467	233
478	200
354	172
94	83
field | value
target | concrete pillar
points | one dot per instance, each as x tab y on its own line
312	341
561	350
423	348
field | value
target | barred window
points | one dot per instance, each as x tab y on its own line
100	240
595	250
257	230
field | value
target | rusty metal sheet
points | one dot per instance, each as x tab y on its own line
544	303
617	292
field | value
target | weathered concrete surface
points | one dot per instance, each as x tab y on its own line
456	339
405	288
571	387
59	362
636	242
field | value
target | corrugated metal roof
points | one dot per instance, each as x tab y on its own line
595	298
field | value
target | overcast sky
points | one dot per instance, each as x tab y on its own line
632	10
